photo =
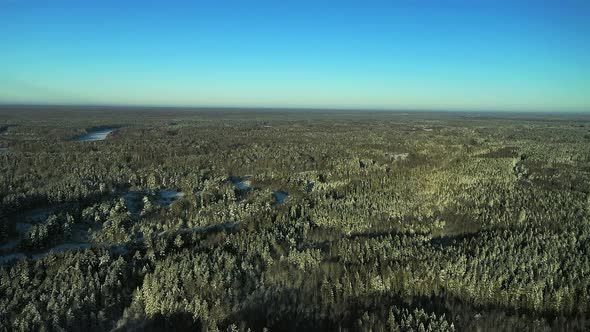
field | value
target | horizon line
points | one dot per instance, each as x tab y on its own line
289	108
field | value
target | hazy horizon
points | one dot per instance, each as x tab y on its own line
80	106
455	55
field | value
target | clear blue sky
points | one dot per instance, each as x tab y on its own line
408	54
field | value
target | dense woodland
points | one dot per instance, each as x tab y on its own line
390	221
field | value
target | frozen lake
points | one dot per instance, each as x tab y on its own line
96	135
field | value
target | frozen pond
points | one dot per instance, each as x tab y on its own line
242	184
167	197
280	197
96	135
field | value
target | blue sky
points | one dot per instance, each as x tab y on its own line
408	54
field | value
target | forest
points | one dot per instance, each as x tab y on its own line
154	219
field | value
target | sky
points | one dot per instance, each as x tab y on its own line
493	55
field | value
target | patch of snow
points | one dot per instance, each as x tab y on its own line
62	248
242	184
167	197
401	156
